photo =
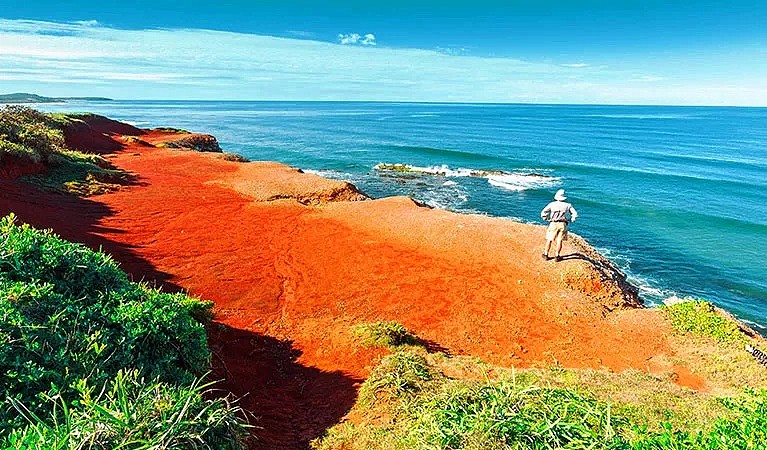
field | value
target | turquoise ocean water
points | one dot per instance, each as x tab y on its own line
677	196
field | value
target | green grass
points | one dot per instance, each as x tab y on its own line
383	334
399	374
69	318
81	174
700	318
133	413
30	137
409	402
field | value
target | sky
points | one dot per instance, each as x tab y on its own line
641	52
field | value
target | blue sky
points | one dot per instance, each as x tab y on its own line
705	52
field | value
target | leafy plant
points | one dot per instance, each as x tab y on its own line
68	313
133	414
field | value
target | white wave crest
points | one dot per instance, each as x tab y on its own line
675	300
513	181
522	181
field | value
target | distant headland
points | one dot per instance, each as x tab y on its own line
22	97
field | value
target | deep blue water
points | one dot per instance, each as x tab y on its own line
675	195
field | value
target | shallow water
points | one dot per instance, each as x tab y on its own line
675	195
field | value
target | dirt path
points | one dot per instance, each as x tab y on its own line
288	280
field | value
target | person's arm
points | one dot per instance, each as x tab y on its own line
546	211
574	213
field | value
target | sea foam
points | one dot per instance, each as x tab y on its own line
512	181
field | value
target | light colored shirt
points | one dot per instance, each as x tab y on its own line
557	211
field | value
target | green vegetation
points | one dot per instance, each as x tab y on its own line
383	334
27	134
416	400
400	374
31	138
172	130
700	318
132	413
78	340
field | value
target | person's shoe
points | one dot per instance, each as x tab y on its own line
545	256
559	258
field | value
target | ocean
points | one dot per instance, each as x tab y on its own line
676	196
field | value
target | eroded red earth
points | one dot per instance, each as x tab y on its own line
289	280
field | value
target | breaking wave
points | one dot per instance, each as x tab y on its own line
521	180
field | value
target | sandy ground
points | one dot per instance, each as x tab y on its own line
291	268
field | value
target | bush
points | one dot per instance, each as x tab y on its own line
31	137
68	313
28	129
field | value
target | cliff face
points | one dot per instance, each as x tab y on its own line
293	260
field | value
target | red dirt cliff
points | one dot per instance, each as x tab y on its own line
293	260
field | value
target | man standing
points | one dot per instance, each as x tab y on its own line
556	214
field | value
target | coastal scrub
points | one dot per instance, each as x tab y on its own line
32	145
410	402
79	338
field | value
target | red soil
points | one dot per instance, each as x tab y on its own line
289	280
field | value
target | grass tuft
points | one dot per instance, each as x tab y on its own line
398	374
540	409
384	334
132	413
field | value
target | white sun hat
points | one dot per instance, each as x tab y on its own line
560	195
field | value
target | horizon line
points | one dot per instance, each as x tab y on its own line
447	102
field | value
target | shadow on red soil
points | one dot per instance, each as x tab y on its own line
291	403
301	402
77	219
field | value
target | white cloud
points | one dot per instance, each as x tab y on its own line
354	38
370	39
575	66
92	59
87	23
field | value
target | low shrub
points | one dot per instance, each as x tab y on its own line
30	137
68	313
427	411
26	128
383	334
